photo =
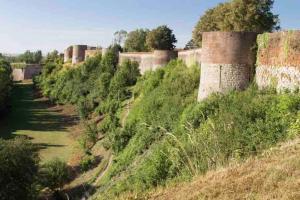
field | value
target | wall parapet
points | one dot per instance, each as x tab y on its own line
190	57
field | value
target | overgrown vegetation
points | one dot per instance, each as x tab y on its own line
161	38
238	15
5	83
136	41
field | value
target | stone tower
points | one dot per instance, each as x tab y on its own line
78	53
227	62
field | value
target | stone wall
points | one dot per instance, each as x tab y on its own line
78	53
92	53
27	72
68	54
278	60
190	57
149	60
227	62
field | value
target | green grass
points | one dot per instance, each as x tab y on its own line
36	119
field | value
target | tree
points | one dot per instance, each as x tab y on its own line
238	15
191	45
136	41
161	38
18	169
120	37
5	83
54	57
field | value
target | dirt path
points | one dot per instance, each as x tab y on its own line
48	126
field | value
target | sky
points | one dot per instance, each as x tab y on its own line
56	24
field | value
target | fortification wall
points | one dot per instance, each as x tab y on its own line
190	57
78	53
149	60
68	53
27	72
227	62
92	53
278	60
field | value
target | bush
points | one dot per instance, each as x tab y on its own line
18	169
54	174
87	162
161	38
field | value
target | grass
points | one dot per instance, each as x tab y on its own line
273	175
48	126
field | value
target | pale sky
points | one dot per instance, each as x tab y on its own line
56	24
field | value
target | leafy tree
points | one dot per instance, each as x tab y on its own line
54	174
31	57
5	83
54	57
161	38
18	169
238	15
120	37
191	45
136	41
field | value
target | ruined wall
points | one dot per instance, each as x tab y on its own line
227	62
278	60
78	53
190	57
68	53
149	60
27	72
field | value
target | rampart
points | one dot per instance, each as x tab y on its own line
78	53
68	54
149	60
278	60
27	72
89	53
190	57
227	62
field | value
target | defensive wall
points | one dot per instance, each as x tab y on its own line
26	72
79	53
278	60
149	60
227	62
190	57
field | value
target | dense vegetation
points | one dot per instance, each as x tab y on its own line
27	57
172	136
237	15
5	83
154	125
161	38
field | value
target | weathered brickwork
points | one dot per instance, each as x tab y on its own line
190	57
227	62
149	60
92	53
27	72
68	53
78	53
278	60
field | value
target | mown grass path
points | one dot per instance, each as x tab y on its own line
48	126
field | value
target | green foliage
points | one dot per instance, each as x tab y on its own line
238	15
87	162
161	38
5	83
54	174
18	169
136	41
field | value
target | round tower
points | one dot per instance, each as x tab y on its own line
68	54
227	62
162	57
78	53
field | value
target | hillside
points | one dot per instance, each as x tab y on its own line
273	175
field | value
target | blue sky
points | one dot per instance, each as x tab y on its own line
55	24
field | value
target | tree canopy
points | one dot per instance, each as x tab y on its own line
161	38
238	15
136	41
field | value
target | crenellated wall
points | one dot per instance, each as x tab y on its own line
190	57
227	62
278	60
28	72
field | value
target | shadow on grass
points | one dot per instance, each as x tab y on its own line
29	113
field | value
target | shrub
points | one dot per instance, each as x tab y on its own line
87	162
54	174
5	83
18	169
